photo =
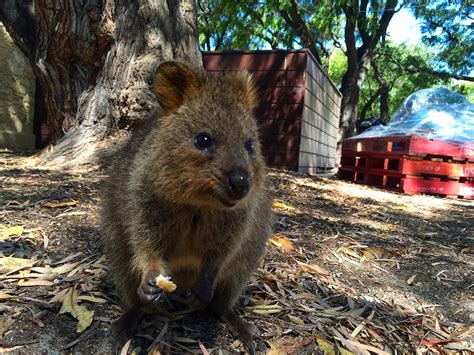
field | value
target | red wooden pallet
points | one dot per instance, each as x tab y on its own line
408	184
435	186
391	181
406	165
409	145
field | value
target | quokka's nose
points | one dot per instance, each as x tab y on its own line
238	184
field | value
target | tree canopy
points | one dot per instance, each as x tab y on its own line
349	41
448	27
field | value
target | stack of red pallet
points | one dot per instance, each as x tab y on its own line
410	164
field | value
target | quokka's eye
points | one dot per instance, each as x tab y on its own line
249	145
203	141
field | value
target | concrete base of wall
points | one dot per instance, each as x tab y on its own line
313	170
17	140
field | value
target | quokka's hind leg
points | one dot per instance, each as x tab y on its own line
240	328
124	327
146	294
225	296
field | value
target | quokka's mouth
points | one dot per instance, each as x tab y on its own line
230	202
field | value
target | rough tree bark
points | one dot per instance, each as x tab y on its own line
94	61
358	60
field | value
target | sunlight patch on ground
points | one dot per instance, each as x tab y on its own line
386	227
401	199
422	206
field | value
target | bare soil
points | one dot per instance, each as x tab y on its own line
350	268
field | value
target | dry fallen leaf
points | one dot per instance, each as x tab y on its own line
37	282
373	253
92	299
377	251
401	207
282	242
295	320
37	321
5	296
58	296
10	263
411	279
313	269
344	351
154	349
327	347
58	270
125	347
274	348
203	348
63	269
17	230
349	252
368	255
55	204
267	309
305	296
289	345
81	313
282	206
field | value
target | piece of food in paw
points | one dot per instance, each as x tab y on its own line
165	283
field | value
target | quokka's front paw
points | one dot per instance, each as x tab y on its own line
148	292
200	295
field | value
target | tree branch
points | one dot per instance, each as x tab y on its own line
273	40
295	21
362	21
349	35
385	19
422	69
439	74
267	39
450	35
369	103
384	90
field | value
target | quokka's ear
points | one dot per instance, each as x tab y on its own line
250	89
252	92
173	82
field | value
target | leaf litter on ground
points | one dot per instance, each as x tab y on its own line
338	275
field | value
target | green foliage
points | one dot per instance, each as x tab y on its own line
449	27
465	88
337	66
392	60
264	24
243	25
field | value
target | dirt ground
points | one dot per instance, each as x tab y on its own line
350	269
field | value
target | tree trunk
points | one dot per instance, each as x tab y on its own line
94	61
367	106
358	19
384	103
383	92
350	90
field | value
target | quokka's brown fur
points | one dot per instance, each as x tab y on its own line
166	208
